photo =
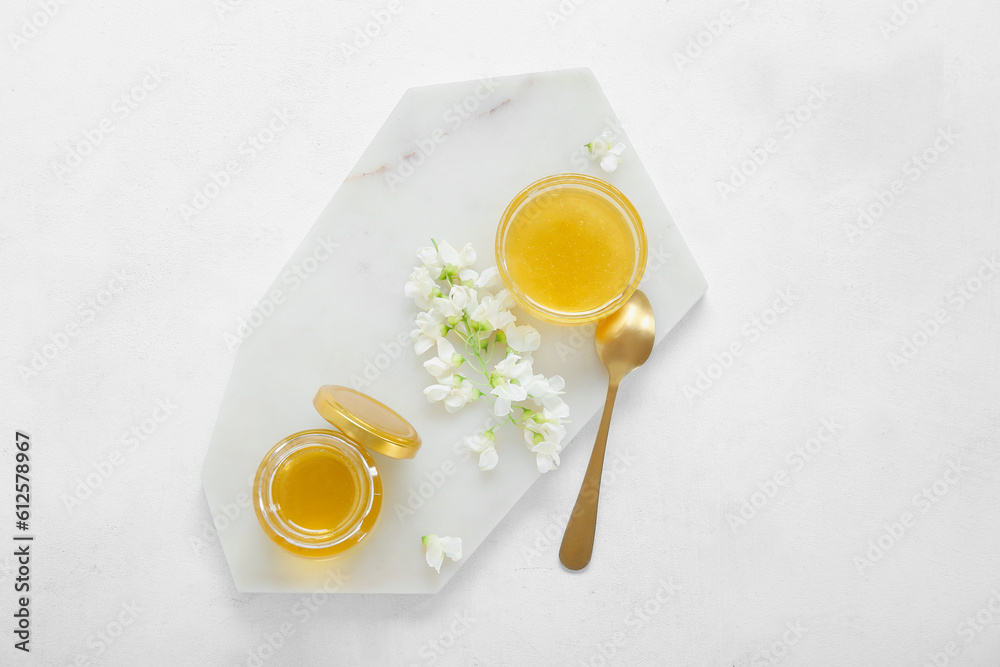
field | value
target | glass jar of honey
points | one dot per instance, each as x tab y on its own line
318	492
571	248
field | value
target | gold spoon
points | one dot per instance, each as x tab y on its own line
624	340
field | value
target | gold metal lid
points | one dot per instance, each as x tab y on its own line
367	422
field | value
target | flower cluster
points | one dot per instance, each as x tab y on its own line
601	148
461	305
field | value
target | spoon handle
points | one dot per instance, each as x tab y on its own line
578	540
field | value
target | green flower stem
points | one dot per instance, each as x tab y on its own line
472	339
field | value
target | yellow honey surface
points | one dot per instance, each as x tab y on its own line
569	250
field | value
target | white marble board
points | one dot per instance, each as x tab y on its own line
445	164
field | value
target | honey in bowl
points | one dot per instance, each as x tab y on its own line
316	489
318	493
571	248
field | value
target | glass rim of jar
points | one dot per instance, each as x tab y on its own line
318	543
609	193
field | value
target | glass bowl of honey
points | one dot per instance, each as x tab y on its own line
571	248
318	492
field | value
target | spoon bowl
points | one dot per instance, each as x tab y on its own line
624	340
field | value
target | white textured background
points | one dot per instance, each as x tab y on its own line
669	519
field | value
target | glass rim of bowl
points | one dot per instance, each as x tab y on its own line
318	543
609	193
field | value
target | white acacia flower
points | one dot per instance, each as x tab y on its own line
436	548
446	362
494	310
454	390
430	329
535	434
556	409
557	415
488	279
544	433
547	391
524	338
484	444
422	288
600	145
508	380
546	456
447	261
463	298
506	300
484	281
610	162
602	149
460	300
